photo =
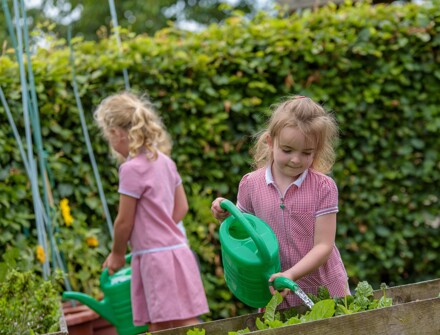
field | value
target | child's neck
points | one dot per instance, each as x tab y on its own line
282	181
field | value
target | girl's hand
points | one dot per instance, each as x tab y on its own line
284	292
218	212
113	263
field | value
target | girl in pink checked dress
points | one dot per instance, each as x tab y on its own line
290	191
166	288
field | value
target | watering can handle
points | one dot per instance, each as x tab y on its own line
280	283
105	276
235	212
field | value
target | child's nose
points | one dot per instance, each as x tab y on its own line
295	158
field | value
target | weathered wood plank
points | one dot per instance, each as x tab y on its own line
216	327
411	292
400	294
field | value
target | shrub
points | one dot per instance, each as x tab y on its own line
28	304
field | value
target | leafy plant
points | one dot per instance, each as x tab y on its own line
196	331
19	258
29	304
324	307
384	301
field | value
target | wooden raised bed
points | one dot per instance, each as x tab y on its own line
415	311
81	320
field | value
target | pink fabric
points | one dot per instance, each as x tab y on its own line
311	195
166	284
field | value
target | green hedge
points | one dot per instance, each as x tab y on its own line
376	67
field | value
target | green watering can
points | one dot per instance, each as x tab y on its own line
250	256
116	305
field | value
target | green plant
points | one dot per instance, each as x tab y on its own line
195	331
19	257
29	304
324	307
82	248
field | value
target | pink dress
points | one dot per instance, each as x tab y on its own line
292	217
165	282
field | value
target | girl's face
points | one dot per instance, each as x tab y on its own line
118	140
292	154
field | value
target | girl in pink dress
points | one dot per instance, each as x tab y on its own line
166	288
290	191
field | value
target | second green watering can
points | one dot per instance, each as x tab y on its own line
250	256
116	305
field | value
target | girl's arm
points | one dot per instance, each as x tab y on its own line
324	240
180	204
122	230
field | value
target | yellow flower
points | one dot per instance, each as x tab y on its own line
92	241
40	254
65	212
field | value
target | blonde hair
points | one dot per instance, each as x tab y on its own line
135	115
317	125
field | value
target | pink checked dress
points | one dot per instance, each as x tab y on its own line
292	217
165	282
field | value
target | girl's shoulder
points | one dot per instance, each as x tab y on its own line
145	158
138	160
133	167
256	174
253	177
319	175
167	160
321	179
144	162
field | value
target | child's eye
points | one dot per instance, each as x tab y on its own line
307	153
286	150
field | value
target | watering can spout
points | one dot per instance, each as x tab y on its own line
98	306
281	283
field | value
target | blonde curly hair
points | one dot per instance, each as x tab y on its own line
137	116
318	126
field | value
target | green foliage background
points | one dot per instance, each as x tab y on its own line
28	304
376	67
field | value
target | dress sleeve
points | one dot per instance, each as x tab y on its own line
244	201
327	197
177	177
130	181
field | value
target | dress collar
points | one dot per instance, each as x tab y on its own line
298	182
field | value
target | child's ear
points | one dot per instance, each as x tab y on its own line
109	133
119	133
269	141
